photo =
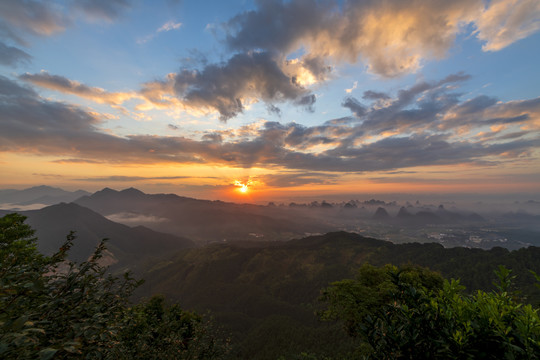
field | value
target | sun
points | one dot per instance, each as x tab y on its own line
243	188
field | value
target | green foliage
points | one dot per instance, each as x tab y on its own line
267	289
412	314
155	330
54	308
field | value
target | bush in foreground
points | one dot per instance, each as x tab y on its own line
52	307
413	313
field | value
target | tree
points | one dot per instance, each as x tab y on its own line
412	313
52	307
156	330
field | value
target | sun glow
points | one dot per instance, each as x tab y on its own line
242	187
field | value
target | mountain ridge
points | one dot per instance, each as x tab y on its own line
128	245
42	194
261	290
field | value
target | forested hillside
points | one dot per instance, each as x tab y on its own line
322	297
126	247
262	291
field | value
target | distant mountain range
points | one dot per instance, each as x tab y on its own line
426	216
127	245
45	195
202	220
205	222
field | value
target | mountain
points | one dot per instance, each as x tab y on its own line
261	290
404	213
202	220
45	195
381	214
450	216
126	247
422	217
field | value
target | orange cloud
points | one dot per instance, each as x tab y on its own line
65	85
504	22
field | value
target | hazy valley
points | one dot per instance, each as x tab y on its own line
204	222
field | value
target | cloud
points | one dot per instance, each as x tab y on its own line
484	111
54	176
19	19
132	219
226	88
168	26
12	56
122	178
504	178
420	107
9	35
375	95
108	10
34	17
65	85
507	21
350	90
355	106
213	137
390	37
22	18
298	178
281	49
418	126
77	161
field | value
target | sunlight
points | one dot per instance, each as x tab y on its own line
242	187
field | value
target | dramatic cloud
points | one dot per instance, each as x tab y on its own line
281	49
422	125
506	21
227	87
391	37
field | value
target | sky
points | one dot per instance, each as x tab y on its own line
254	100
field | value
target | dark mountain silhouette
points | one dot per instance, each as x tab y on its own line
404	213
381	214
405	217
522	218
423	217
45	195
126	246
200	220
450	216
427	217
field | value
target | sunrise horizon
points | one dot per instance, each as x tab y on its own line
268	99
